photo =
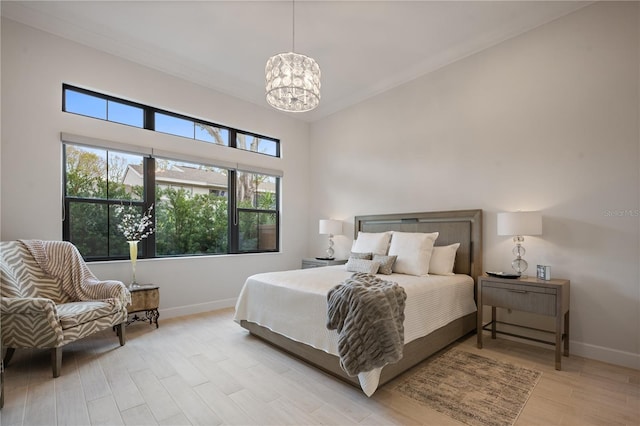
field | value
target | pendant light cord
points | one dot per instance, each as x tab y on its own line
293	26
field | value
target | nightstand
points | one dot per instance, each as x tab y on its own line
550	298
146	299
316	263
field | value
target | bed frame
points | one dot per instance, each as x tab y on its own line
459	226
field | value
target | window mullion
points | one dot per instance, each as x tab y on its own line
149	167
149	118
233	212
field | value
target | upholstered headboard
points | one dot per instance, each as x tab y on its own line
458	226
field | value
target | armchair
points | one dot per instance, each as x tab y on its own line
49	298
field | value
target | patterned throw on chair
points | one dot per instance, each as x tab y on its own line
51	298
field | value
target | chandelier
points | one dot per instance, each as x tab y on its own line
292	79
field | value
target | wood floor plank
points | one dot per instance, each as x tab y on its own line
328	415
15	405
190	403
94	382
139	415
255	407
158	363
185	369
216	374
289	413
123	388
104	411
42	397
223	405
155	395
71	407
177	420
250	380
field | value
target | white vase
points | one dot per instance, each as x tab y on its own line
133	255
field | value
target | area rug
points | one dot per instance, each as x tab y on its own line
470	388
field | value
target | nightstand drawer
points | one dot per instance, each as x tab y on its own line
538	300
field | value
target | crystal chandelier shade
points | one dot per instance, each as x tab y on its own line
292	82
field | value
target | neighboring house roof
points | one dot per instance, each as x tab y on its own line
188	176
191	176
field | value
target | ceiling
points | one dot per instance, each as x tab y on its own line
363	47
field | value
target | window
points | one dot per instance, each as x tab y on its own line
192	205
105	107
249	142
257	215
191	218
97	182
174	126
84	102
198	208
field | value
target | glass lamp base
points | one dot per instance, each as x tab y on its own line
520	265
330	250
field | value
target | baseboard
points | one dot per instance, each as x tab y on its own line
198	308
600	353
585	350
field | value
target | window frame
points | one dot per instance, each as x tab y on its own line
148	245
149	113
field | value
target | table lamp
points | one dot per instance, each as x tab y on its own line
331	227
519	224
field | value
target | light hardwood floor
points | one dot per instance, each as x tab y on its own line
205	369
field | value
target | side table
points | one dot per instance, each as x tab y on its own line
316	263
550	298
146	299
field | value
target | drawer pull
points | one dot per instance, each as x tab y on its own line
518	291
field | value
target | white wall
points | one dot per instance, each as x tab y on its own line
34	66
546	121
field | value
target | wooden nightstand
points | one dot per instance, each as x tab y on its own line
550	298
316	263
144	298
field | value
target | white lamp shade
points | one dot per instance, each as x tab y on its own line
520	223
330	226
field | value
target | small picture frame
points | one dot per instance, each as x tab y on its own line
544	272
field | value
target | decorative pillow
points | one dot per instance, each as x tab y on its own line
413	250
356	255
443	259
362	265
386	263
372	242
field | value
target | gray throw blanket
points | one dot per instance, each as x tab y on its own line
368	314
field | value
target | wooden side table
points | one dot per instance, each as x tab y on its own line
550	298
316	263
145	299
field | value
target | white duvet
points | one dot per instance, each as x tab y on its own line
294	304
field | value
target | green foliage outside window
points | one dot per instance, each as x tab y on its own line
188	221
190	224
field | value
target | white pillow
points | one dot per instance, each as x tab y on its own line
443	259
372	242
413	250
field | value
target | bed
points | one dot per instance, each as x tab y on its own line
288	308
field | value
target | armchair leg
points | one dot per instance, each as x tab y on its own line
56	360
8	356
120	332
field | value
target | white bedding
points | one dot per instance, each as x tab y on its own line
294	304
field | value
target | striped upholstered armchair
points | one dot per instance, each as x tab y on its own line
49	298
